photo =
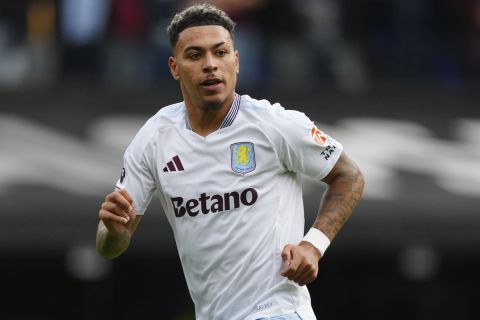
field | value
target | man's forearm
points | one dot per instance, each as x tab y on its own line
111	245
345	189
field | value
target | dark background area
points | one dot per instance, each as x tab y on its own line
397	82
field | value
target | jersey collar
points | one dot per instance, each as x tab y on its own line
231	115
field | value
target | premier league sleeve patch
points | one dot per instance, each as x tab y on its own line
319	137
242	157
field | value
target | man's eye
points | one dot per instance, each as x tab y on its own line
195	56
221	53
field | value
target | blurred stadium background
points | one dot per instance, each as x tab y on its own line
397	81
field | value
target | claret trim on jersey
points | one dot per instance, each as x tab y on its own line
232	114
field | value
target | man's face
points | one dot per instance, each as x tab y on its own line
206	64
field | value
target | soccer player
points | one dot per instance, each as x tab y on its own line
227	170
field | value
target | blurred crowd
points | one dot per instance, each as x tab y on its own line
344	44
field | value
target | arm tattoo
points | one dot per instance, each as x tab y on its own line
345	188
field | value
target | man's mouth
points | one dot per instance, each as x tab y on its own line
213	82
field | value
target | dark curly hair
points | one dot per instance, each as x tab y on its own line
198	15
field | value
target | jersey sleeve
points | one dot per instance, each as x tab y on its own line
302	147
137	177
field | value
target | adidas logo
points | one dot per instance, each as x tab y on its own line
174	165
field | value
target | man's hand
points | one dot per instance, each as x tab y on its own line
117	211
301	262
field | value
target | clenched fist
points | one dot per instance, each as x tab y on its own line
301	262
116	212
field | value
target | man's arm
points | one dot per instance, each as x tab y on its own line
117	225
345	188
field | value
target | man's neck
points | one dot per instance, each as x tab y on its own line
204	121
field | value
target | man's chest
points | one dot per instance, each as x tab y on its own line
189	166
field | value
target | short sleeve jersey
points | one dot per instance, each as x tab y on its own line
233	200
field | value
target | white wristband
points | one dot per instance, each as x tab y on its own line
318	239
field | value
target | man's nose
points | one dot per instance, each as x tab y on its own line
210	63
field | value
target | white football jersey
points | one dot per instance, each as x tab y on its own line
233	200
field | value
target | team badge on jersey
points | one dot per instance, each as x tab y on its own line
319	137
242	157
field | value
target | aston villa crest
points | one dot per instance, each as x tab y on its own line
242	157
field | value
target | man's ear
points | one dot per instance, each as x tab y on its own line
237	62
172	65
